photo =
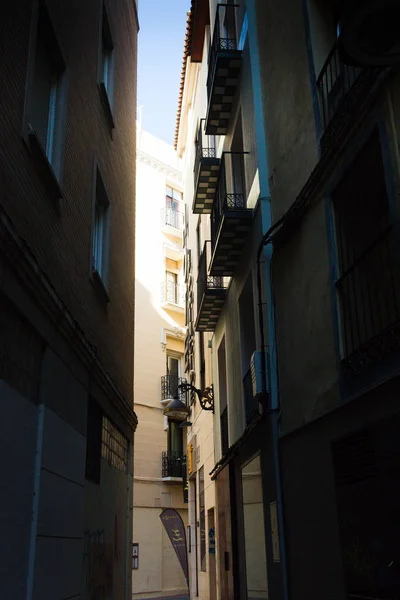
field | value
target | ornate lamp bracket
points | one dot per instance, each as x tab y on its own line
206	396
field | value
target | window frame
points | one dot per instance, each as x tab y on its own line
367	377
106	54
48	154
100	200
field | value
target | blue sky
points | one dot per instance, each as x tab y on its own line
161	37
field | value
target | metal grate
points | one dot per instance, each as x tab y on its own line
174	218
334	83
368	285
169	384
114	446
172	464
173	293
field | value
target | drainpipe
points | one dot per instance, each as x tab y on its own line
265	249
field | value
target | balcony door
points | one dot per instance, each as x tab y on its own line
173	372
175	439
172	286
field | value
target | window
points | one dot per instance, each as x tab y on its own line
175	438
368	286
46	105
114	446
173	371
101	226
172	287
173	208
106	66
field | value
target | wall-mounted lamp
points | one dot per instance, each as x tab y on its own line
176	409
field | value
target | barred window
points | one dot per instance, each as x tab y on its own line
114	446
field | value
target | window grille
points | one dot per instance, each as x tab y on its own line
114	446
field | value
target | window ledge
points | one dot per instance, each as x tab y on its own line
106	104
45	168
100	286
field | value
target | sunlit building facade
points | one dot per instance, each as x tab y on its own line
160	446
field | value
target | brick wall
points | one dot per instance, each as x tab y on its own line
61	241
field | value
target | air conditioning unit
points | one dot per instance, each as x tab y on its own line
369	32
257	366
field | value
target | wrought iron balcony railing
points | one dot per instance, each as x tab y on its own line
211	292
169	383
224	65
173	218
173	464
250	403
206	169
173	293
230	217
334	83
369	296
342	88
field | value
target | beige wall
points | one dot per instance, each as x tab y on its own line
159	329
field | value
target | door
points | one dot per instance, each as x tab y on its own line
172	287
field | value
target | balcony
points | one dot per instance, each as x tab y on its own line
169	383
224	66
173	465
341	88
172	221
211	292
230	217
369	295
173	296
206	171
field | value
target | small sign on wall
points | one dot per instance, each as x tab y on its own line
135	555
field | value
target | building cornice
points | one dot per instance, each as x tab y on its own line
160	166
23	260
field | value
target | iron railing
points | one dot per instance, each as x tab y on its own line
231	189
224	37
205	147
205	281
169	383
173	464
251	407
334	84
369	295
173	218
173	292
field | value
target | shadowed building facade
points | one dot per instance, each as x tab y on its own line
291	173
67	170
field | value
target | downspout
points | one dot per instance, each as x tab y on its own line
273	411
265	249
